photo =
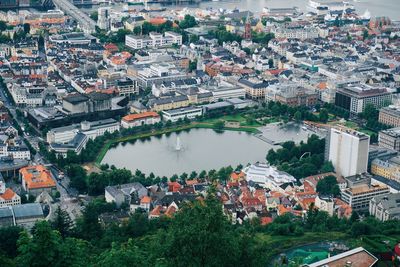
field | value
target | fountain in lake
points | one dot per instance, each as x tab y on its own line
178	146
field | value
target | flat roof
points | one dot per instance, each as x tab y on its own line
28	210
358	257
179	110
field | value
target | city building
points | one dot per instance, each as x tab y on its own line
125	193
36	179
296	96
326	204
354	98
104	19
348	151
295	32
390	139
254	87
153	40
167	103
7	196
127	87
145	118
26	215
6	217
390	116
267	176
74	137
385	207
92	129
389	169
358	257
360	191
181	113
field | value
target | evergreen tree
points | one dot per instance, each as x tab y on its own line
62	222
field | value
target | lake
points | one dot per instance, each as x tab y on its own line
201	149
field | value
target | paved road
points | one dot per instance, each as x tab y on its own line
68	200
86	23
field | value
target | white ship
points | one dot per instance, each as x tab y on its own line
322	7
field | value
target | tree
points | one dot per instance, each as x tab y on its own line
9	237
188	22
219	125
205	228
3	25
192	65
271	63
328	186
77	177
323	115
327	167
365	34
360	228
62	222
94	15
27	28
125	255
40	250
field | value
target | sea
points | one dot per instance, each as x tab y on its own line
377	8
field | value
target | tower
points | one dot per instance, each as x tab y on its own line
104	20
348	151
247	28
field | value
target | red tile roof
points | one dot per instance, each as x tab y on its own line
133	117
7	195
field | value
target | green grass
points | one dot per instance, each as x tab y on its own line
235	118
376	243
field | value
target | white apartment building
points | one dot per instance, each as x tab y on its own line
7	196
348	151
90	129
153	40
181	113
295	32
144	118
267	176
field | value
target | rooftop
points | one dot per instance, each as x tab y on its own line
358	257
28	210
37	177
133	117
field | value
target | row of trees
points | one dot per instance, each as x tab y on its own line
94	183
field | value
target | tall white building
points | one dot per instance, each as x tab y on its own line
154	40
348	151
104	19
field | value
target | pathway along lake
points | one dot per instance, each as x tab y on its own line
200	149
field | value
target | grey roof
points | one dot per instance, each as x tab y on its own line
75	98
179	110
28	210
217	105
125	189
73	144
99	96
6	212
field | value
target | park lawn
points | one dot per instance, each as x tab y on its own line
236	118
274	245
